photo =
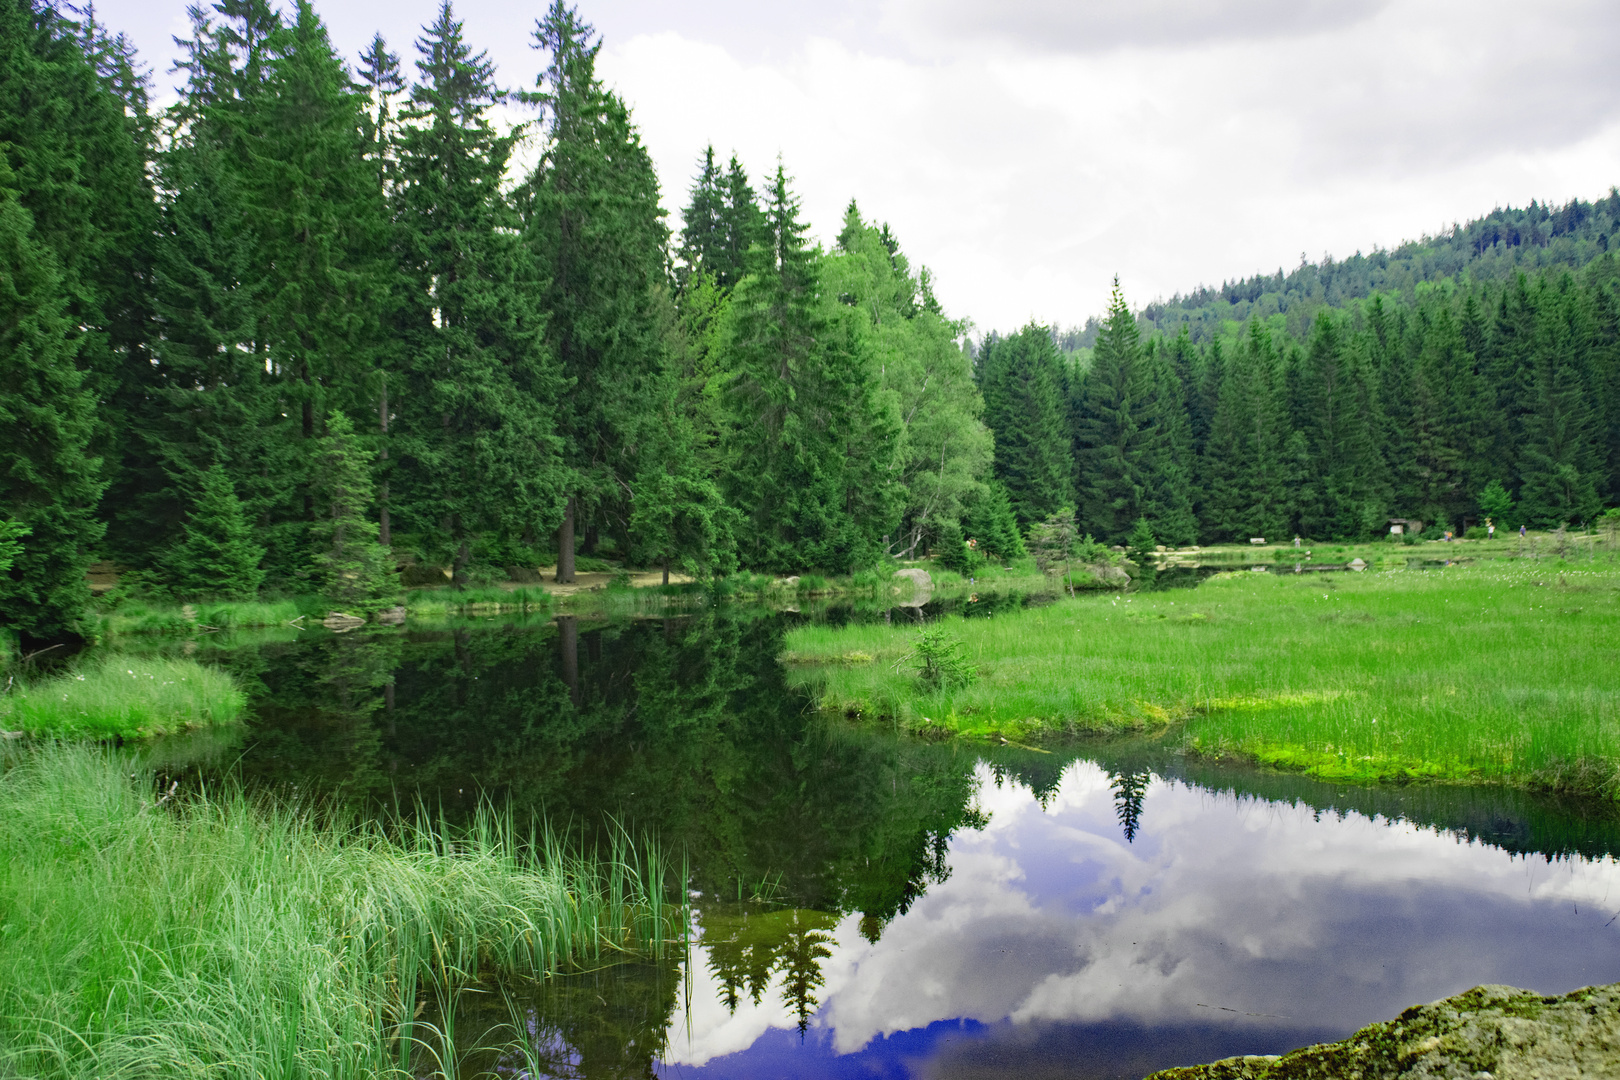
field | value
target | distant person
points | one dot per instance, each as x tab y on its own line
1296	541
1521	532
1490	530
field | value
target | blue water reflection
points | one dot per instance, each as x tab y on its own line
1226	924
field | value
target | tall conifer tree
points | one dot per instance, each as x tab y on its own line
51	482
1023	385
474	448
592	219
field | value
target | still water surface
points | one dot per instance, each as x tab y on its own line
871	906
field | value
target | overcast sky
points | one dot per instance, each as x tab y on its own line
1029	150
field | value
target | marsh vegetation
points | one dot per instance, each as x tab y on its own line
1498	671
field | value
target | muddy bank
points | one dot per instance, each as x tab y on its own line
1494	1032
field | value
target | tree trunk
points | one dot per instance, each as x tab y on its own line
568	637
458	573
385	531
565	546
592	535
666	569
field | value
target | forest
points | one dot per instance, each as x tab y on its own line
310	328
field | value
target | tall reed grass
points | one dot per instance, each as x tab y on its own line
141	617
1496	671
124	696
213	935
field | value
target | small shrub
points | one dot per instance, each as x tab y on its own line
940	663
812	583
1476	532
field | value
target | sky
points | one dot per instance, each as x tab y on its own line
1028	151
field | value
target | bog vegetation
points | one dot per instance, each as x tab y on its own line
303	327
1500	671
149	934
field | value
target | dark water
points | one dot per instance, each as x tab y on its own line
870	906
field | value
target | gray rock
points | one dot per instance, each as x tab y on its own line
337	620
1109	575
918	577
1489	1031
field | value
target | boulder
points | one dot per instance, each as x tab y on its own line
917	576
340	621
1109	575
1489	1031
394	616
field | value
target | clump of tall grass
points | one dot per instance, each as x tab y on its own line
150	935
143	617
124	696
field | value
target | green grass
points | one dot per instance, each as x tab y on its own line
1500	671
141	617
215	936
124	696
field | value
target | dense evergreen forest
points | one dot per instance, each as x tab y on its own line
308	325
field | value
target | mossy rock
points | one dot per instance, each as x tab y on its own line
1490	1031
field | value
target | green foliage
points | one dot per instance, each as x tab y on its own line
953	552
989	520
1495	503
124	697
473	451
811	442
940	660
218	558
12	534
1023	384
52	481
1132	436
354	571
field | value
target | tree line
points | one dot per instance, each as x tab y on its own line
1463	402
312	323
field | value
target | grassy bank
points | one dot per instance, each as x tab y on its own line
123	696
215	936
1500	671
144	617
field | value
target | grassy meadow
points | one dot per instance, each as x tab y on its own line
123	696
1501	670
148	934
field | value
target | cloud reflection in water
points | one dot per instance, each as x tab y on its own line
1228	924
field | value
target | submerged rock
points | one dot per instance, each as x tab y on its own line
1494	1032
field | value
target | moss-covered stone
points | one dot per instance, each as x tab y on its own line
1487	1033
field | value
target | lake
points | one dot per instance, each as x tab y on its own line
866	905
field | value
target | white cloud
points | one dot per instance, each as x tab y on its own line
1028	151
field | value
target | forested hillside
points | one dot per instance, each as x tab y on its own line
303	328
1493	249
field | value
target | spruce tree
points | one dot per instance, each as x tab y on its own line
51	482
1130	431
1342	493
1022	382
473	450
742	225
75	134
703	239
217	558
811	446
1245	491
1559	456
354	572
593	222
